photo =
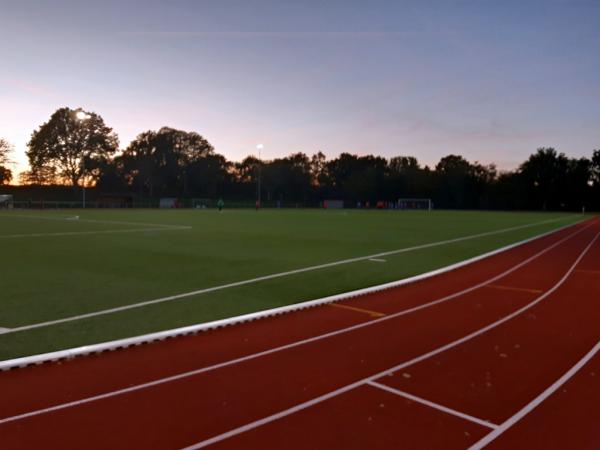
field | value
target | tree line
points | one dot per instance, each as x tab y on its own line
76	147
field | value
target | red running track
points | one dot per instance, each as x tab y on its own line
498	354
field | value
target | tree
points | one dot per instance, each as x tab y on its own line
595	168
5	175
288	178
544	175
453	173
5	172
358	178
318	169
162	162
72	145
407	179
39	176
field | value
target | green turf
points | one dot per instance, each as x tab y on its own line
47	277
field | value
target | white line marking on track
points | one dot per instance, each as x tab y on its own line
86	233
377	260
414	398
536	401
268	277
300	343
349	387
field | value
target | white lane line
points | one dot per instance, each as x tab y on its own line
283	347
314	401
377	260
113	222
86	233
536	401
414	398
3	330
265	278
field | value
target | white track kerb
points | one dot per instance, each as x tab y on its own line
193	329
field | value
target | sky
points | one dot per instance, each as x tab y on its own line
490	80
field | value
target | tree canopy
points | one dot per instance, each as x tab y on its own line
5	172
71	146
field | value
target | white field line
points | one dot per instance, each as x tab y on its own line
86	233
536	401
70	218
433	405
271	277
377	260
314	401
3	330
191	329
191	373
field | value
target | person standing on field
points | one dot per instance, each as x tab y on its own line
220	204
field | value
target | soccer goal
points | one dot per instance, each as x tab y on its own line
415	203
6	202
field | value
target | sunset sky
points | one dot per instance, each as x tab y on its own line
491	80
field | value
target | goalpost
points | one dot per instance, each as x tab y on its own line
415	203
6	202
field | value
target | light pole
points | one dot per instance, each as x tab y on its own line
259	148
82	116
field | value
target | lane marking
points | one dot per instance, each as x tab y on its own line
593	272
253	356
314	401
414	398
62	219
360	310
514	288
379	260
268	277
3	330
536	401
87	233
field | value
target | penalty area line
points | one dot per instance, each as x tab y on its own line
87	233
79	219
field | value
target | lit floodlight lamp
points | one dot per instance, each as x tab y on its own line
82	115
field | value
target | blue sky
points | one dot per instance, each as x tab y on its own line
489	80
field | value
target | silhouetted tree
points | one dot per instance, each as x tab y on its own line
288	178
159	162
544	175
453	173
71	145
39	176
595	168
5	172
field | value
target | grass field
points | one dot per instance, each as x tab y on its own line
55	267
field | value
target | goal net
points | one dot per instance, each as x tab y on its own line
415	203
6	201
